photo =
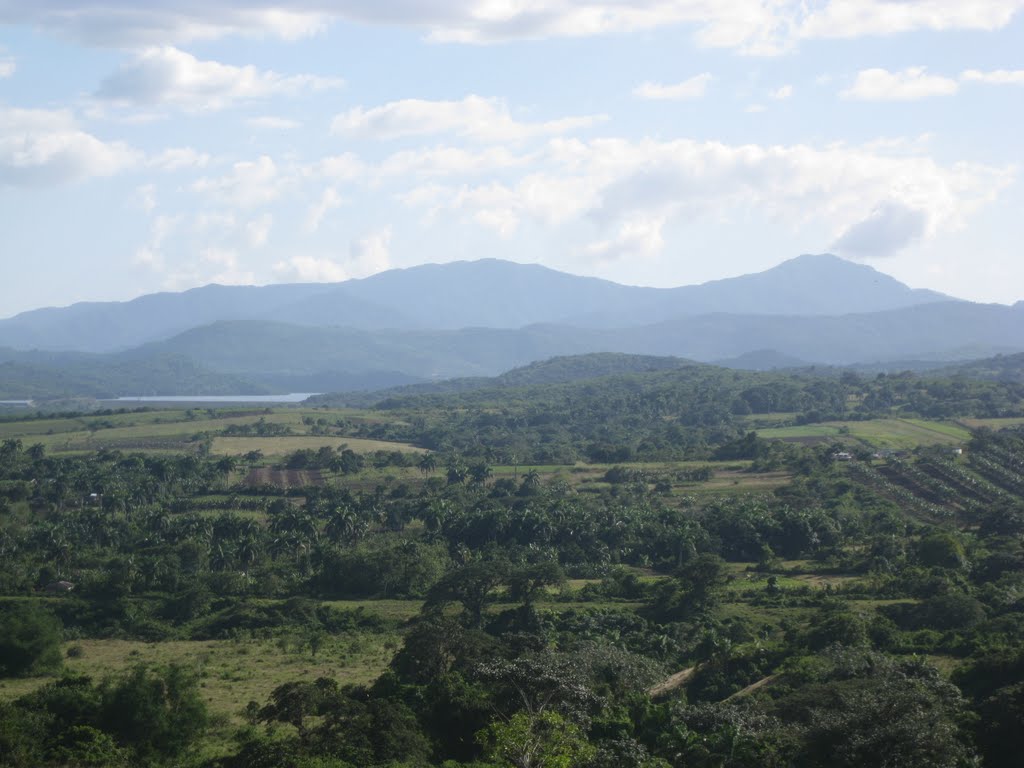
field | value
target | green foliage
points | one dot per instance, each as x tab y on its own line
545	740
30	638
155	712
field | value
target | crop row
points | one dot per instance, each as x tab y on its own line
998	474
883	485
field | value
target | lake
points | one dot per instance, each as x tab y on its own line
294	397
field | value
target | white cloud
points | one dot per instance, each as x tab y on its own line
782	93
749	26
692	88
864	18
310	269
344	167
250	184
257	231
637	237
127	23
167	76
271	123
179	158
151	254
451	161
910	84
145	197
7	65
629	189
214	266
328	201
371	253
40	147
474	117
225	262
889	227
997	77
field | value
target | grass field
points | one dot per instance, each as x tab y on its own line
279	446
877	433
174	430
995	424
232	672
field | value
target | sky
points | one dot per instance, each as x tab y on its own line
169	144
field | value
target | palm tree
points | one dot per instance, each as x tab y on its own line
480	473
427	463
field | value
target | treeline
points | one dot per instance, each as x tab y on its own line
684	413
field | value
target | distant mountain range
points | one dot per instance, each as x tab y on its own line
477	294
481	318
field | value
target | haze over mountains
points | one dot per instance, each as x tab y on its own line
484	317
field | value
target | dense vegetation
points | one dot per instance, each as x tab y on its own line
690	594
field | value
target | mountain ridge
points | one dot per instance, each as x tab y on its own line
487	293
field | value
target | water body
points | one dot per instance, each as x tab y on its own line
294	397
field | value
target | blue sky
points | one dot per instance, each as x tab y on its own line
165	145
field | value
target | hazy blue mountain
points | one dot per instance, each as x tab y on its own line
48	375
269	349
110	326
761	360
482	294
936	331
500	294
943	331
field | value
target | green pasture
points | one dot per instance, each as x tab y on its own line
995	424
232	672
279	446
176	430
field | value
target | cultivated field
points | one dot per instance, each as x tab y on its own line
897	434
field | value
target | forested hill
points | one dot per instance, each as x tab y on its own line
55	376
998	368
556	370
680	412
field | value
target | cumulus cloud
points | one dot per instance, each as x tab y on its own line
215	264
151	254
474	117
782	93
749	26
250	184
310	269
371	253
166	76
145	197
692	88
637	237
271	123
890	227
257	231
128	23
7	65
451	161
45	147
367	255
629	189
997	77
864	18
914	83
179	158
329	200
